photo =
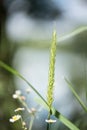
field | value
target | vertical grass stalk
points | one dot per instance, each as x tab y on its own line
51	74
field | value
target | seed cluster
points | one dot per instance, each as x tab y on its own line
51	71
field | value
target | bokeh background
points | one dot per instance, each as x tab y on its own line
26	28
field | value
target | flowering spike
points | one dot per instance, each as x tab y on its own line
51	71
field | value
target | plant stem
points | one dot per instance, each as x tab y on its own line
31	122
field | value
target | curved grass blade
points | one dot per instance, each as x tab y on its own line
16	73
58	115
76	95
72	34
64	120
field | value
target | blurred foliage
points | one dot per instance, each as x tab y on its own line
7	87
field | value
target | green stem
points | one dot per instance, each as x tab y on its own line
31	123
25	105
48	124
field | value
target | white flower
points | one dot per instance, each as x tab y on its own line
23	123
19	109
50	121
15	118
18	92
15	96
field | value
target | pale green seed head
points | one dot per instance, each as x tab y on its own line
51	75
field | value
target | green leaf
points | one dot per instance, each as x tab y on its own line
64	120
76	95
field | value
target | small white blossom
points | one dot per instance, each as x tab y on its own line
15	118
19	109
18	92
23	123
50	121
15	96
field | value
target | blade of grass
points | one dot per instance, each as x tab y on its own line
58	115
76	95
64	120
16	73
72	34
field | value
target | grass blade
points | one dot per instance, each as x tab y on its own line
16	73
72	34
76	95
64	120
